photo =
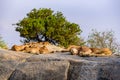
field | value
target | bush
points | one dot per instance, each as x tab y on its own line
105	39
2	44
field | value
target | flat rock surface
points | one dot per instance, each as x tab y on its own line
50	70
12	55
57	66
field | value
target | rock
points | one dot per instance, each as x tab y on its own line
6	69
12	55
85	68
95	69
57	66
42	70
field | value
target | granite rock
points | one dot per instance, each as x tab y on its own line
57	66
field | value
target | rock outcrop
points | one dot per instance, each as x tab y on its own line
57	66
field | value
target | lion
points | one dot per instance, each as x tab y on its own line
34	44
90	52
46	43
72	46
103	52
84	51
106	51
80	50
18	48
74	51
44	50
34	50
95	50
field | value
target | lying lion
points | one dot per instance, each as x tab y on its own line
46	47
34	50
18	48
38	48
86	51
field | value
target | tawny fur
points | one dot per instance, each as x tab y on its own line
74	51
84	50
18	48
34	50
90	52
46	43
106	51
33	47
44	50
72	46
46	47
95	50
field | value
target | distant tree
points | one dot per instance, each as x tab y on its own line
45	25
2	43
104	39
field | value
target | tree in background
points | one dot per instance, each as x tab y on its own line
2	44
104	39
45	25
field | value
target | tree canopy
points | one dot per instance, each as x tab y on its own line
45	25
105	39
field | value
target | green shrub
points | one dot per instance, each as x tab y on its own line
3	44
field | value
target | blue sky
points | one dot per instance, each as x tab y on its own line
89	14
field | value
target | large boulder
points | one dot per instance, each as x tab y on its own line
42	70
6	69
95	69
85	68
9	60
57	66
12	55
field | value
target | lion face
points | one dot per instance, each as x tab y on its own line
74	51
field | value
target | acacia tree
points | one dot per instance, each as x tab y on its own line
103	39
45	25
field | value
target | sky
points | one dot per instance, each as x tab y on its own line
102	15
